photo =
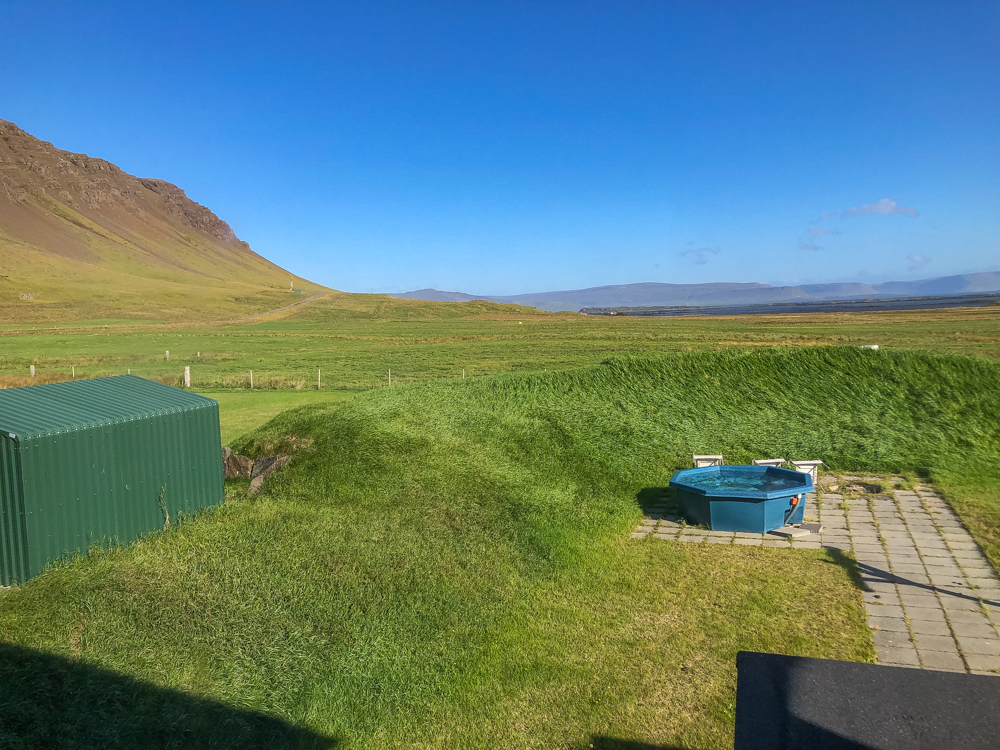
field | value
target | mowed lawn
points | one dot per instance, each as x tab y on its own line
449	565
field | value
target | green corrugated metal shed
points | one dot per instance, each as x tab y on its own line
85	462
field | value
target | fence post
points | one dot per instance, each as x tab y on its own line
251	380
74	372
32	370
187	377
168	355
463	373
390	375
319	378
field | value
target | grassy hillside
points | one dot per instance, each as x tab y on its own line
448	564
80	239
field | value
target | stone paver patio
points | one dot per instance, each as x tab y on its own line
933	600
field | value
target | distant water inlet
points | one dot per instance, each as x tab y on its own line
752	499
884	304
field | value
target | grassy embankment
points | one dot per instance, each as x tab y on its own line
447	564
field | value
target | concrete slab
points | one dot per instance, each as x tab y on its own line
921	600
951	662
929	627
961	602
982	662
877	609
867	547
973	629
888	639
936	643
792	532
986	584
984	646
892	624
970	617
909	569
899	656
927	614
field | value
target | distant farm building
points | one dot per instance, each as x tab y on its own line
99	462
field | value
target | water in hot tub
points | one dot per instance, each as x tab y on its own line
744	481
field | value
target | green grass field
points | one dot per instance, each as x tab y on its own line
357	339
446	563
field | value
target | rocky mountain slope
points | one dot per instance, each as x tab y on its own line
81	239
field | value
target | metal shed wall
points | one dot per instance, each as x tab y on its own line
98	479
13	552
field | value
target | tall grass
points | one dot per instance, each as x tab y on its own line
936	417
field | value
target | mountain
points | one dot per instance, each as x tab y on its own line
652	294
82	239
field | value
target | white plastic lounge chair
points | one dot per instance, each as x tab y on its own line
701	462
809	467
776	462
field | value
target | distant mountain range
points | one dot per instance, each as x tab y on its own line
652	294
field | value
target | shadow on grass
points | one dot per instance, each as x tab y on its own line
848	563
50	701
656	500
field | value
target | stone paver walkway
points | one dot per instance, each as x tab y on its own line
933	600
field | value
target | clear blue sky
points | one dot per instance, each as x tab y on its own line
505	147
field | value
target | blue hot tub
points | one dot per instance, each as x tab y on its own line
754	499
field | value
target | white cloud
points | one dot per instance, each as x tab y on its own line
886	207
917	261
700	256
808	245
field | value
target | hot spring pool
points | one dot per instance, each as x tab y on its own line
754	499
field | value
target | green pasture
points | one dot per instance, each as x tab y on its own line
448	563
356	340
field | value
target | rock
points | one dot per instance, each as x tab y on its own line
235	466
263	468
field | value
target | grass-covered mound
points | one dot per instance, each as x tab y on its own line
449	565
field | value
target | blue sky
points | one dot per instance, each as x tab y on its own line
507	147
